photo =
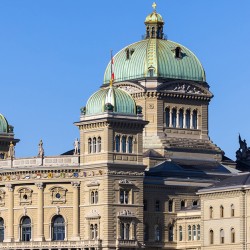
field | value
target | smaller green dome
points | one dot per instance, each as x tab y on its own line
4	127
121	101
154	18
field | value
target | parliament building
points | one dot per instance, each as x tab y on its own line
145	175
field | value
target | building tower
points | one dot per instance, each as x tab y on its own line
111	127
169	82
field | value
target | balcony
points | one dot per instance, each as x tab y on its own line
51	244
127	243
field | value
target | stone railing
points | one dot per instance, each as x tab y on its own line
51	244
127	243
49	161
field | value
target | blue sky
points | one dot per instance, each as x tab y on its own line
53	55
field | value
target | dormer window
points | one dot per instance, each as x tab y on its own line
178	53
151	70
127	53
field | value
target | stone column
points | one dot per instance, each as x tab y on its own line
177	119
10	226
75	235
170	119
40	212
191	121
184	120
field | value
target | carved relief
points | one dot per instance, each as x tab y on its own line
25	196
185	88
58	195
2	197
130	88
126	213
125	182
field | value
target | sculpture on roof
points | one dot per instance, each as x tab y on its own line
243	153
11	153
40	149
76	147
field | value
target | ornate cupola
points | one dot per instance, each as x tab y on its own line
154	25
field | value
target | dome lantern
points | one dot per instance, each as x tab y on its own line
154	25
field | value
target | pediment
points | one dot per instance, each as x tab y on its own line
185	88
93	215
131	88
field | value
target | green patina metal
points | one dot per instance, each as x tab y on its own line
3	124
121	101
159	55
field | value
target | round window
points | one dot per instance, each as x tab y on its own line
58	196
25	197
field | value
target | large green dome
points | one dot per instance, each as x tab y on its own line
4	127
121	101
155	58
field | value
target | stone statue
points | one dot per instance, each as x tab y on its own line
76	147
243	152
11	153
40	149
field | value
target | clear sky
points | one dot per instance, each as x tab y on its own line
53	54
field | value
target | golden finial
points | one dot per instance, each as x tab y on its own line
154	5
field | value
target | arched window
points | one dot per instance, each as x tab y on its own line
195	119
194	232
25	229
1	230
90	145
96	197
198	232
178	52
188	118
99	144
211	236
130	144
124	138
146	233
153	32
147	32
92	197
180	233
232	210
58	228
170	233
174	118
167	113
170	206
211	211
189	233
195	203
93	231
232	235
94	145
117	143
181	118
222	236
157	233
221	211
183	204
125	229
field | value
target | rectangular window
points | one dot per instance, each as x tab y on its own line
157	206
124	196
145	205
